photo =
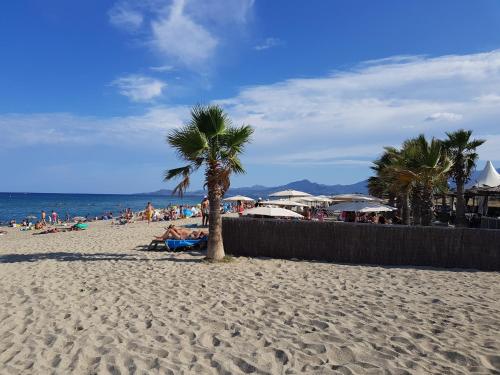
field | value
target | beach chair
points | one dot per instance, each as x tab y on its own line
178	245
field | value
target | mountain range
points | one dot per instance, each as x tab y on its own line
307	186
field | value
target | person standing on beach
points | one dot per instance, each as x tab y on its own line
149	212
205	209
43	220
54	217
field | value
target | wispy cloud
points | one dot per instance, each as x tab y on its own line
383	102
268	43
444	116
122	16
184	33
139	88
179	37
162	68
21	130
340	119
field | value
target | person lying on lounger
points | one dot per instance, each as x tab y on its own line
176	233
197	235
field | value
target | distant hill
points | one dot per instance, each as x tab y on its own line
307	186
302	185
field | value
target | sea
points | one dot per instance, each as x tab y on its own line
19	206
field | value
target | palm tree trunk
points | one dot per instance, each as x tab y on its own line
215	244
215	249
460	219
427	204
405	208
416	206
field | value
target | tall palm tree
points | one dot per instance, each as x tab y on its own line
209	140
462	151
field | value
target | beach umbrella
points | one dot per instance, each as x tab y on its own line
237	198
355	197
289	194
271	212
283	203
312	199
360	206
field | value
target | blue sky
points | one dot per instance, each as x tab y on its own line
89	89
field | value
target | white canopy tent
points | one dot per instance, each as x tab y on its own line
289	194
271	212
311	199
489	177
355	197
282	202
360	206
237	198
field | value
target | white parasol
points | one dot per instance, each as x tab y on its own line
271	212
237	198
360	206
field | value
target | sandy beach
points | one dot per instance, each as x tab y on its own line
92	303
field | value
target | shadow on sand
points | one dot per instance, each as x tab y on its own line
92	257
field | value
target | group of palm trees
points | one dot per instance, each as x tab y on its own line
412	174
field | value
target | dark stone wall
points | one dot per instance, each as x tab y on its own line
363	243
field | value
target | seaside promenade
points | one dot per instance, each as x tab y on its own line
90	302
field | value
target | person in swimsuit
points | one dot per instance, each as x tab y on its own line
205	209
179	233
54	217
149	212
44	216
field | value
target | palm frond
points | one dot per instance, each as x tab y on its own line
183	172
234	138
176	172
210	120
188	142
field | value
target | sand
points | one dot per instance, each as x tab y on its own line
92	303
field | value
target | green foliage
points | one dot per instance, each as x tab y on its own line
462	151
418	169
211	141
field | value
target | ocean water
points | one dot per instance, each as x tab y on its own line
20	205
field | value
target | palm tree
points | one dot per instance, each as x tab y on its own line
422	166
210	141
381	185
398	161
462	151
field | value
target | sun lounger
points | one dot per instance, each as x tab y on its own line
178	245
182	244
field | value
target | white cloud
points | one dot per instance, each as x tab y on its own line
444	116
22	130
373	104
177	36
183	32
122	16
341	119
162	68
139	88
268	43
